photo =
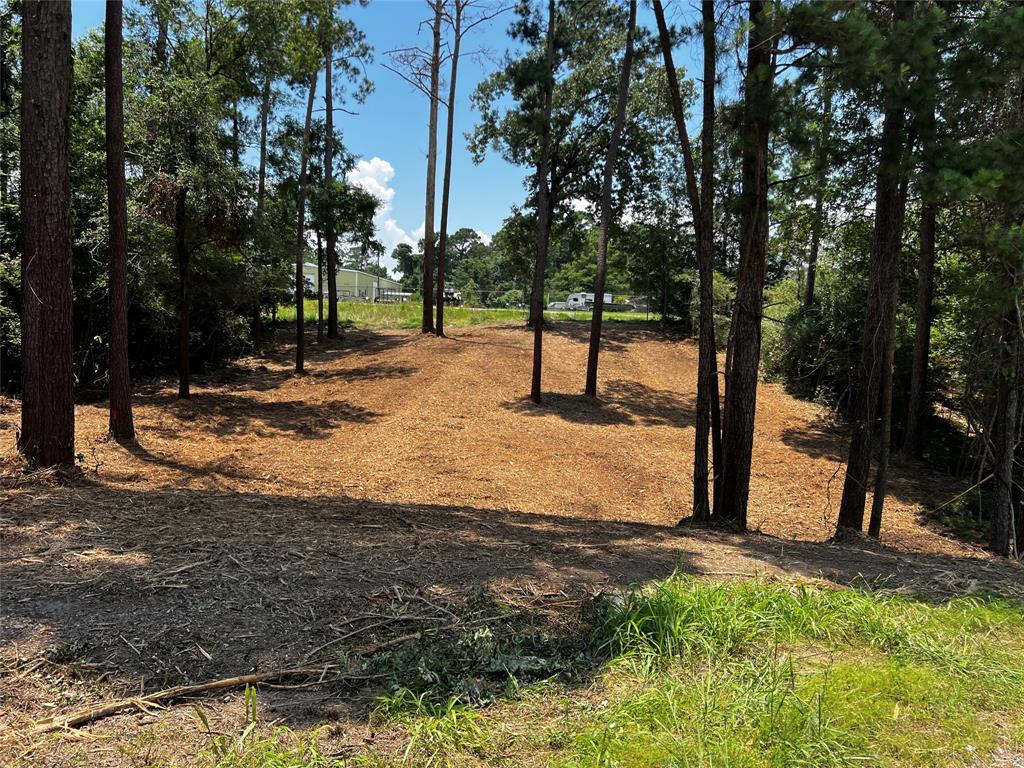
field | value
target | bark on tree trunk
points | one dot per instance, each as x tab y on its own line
1001	540
741	386
122	426
428	217
543	212
708	353
47	405
885	438
5	103
331	233
702	205
890	204
160	51
606	208
300	238
446	183
923	330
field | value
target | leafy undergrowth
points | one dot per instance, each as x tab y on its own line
689	673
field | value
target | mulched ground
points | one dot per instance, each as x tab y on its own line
273	513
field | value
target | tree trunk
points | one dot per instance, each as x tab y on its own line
702	206
821	177
923	330
6	65
428	217
319	290
885	438
543	211
708	357
300	238
446	184
162	29
122	426
331	234
606	207
1001	540
741	386
183	257
890	204
47	404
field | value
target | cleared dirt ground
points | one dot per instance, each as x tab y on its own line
271	513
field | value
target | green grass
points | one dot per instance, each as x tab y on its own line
756	674
278	747
408	315
766	674
433	731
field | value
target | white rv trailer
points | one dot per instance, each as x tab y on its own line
584	300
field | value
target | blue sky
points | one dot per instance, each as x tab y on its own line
389	134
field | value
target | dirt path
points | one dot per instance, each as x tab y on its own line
252	522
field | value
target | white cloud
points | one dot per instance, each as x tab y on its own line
374	175
484	237
579	205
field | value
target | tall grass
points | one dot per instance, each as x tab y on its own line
682	615
768	674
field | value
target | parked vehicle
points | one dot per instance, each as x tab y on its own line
584	300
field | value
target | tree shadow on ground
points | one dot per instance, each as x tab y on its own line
257	374
822	439
221	467
616	336
617	403
224	413
262	379
352	342
171	586
911	481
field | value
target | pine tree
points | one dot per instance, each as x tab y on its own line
122	426
47	437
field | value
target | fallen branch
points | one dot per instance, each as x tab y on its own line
394	641
347	635
100	711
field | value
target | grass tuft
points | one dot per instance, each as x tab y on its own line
435	732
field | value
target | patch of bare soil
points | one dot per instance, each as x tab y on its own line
355	506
